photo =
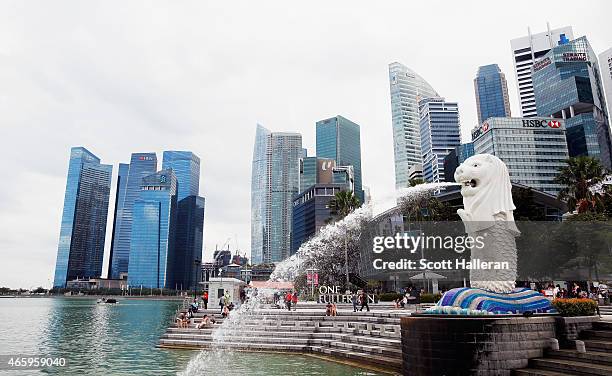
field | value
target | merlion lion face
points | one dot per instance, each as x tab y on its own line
475	173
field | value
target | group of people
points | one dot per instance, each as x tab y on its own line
360	298
410	296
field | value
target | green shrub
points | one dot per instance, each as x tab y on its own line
575	307
389	296
430	298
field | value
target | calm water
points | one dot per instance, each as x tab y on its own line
102	339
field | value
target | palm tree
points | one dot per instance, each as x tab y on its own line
577	177
343	203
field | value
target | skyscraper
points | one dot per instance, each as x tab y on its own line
124	169
339	139
528	50
186	167
190	226
567	86
440	134
274	181
605	66
534	149
491	91
152	245
80	251
407	89
141	165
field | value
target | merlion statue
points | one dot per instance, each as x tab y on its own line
487	213
487	201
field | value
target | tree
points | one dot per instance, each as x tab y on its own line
416	181
343	203
577	177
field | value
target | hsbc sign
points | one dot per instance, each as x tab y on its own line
541	123
480	130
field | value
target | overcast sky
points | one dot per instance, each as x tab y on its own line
123	77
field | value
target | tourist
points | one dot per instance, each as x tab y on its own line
328	309
354	300
294	300
221	303
288	299
225	312
556	291
206	321
205	299
242	296
404	301
334	309
364	301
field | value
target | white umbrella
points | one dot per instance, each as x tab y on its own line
427	275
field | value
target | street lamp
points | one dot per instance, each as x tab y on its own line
195	279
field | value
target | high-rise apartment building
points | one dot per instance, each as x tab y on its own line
440	134
605	66
339	139
275	178
190	217
407	89
141	165
491	91
80	251
526	51
534	149
152	242
567	86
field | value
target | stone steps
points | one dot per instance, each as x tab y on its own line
596	334
539	372
589	356
602	325
571	367
598	345
364	339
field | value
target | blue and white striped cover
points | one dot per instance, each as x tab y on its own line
520	300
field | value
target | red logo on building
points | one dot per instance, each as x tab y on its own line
485	127
554	124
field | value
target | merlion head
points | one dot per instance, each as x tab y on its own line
486	188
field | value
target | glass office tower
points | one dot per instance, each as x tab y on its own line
407	89
124	169
141	165
152	244
339	139
80	251
567	86
190	229
274	181
491	91
186	167
440	134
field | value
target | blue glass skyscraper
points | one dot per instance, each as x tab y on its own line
339	139
186	167
491	93
124	169
141	165
274	181
190	226
440	134
81	244
152	242
567	85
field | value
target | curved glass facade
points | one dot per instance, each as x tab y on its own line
407	89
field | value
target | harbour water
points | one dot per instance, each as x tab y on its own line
106	339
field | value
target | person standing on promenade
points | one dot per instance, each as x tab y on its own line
354	300
364	301
221	303
205	299
294	300
288	298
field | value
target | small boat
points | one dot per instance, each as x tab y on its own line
109	301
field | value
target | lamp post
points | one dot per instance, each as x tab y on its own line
195	279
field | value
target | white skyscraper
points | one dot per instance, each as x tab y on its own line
605	67
407	89
525	52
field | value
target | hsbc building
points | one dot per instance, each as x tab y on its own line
533	148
